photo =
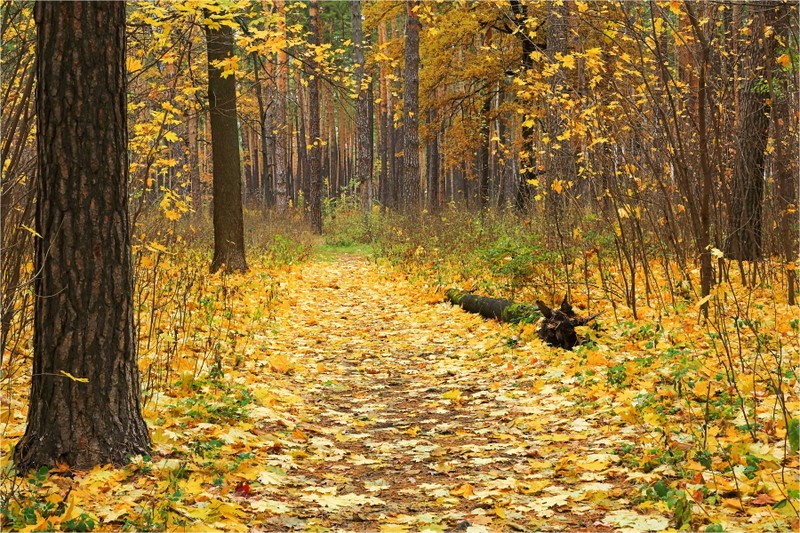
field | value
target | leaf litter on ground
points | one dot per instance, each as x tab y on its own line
365	403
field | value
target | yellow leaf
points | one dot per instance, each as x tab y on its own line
532	487
280	363
31	230
73	378
394	528
153	246
597	359
703	300
133	64
652	418
594	466
734	503
454	394
568	61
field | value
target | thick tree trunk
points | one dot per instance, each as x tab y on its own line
363	116
496	308
785	158
410	198
744	217
557	327
83	318
228	218
315	153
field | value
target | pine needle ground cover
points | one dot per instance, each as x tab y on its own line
345	394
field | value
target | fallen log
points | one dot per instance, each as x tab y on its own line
496	308
556	326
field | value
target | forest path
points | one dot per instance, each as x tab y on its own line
409	414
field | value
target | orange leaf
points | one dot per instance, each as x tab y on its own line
763	499
464	490
597	359
299	436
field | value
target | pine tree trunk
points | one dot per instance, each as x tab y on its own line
83	317
410	198
228	218
315	153
363	117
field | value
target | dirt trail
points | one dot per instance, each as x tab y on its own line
411	415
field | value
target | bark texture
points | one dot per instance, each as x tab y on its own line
527	157
83	317
315	153
496	308
745	216
282	139
228	218
411	175
364	154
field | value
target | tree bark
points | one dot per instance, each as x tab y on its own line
83	317
744	218
527	172
496	308
364	153
315	153
432	159
411	176
282	139
228	218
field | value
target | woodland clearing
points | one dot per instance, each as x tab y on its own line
366	403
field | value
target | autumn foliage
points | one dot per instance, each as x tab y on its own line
638	157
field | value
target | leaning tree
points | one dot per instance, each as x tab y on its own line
85	399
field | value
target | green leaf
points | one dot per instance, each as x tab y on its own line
793	434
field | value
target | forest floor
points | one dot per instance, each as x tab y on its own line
420	415
366	403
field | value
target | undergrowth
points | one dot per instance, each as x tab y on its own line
713	400
191	337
